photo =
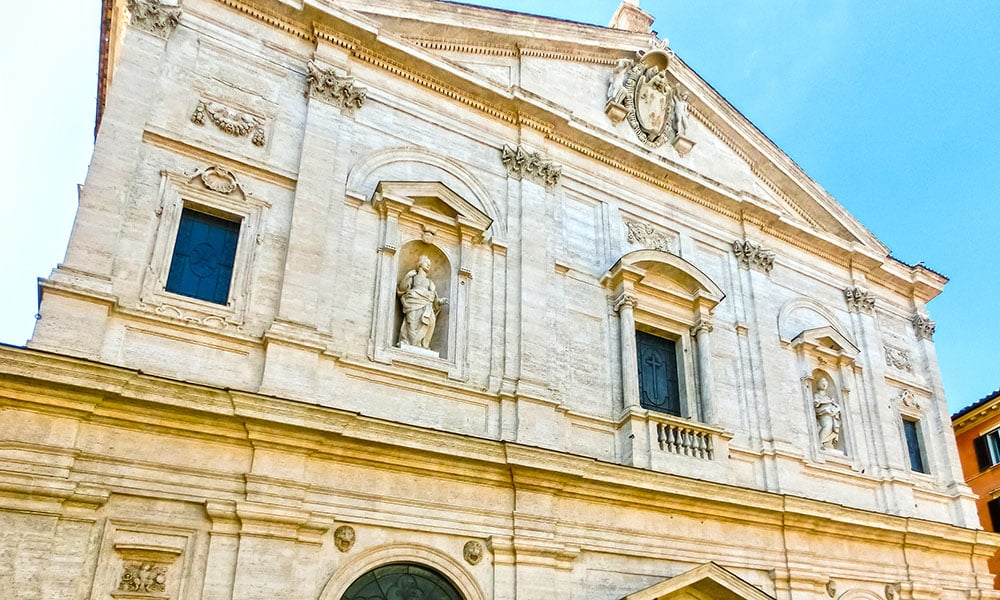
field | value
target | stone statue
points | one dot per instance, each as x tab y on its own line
827	416
680	113
421	304
616	85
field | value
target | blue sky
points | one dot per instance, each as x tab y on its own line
889	106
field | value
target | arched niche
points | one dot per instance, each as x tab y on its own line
442	275
415	554
822	350
412	163
427	218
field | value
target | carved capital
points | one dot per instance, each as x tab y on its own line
522	163
753	256
924	327
645	235
859	300
143	578
626	301
337	88
898	358
232	121
154	17
703	326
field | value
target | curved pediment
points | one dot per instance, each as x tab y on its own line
665	272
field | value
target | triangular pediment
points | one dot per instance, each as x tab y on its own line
707	582
828	339
556	73
434	201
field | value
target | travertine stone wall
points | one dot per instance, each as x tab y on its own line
537	358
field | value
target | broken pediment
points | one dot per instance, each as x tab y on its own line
707	582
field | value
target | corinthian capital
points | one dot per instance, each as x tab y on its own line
702	326
154	16
625	300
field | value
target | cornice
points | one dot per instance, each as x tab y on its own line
55	382
367	42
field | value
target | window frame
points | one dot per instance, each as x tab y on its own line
921	448
680	335
215	191
986	450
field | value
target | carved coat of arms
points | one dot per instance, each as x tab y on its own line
656	109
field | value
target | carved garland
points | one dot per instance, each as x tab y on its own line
521	163
859	300
751	255
647	236
233	122
154	17
143	578
898	358
335	88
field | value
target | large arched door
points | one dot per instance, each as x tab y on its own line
401	581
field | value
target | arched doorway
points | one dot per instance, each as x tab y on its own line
401	581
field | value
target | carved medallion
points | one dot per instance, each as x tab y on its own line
473	552
343	538
898	358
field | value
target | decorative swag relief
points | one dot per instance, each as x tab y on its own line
233	122
647	236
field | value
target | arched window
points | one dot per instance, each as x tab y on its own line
401	581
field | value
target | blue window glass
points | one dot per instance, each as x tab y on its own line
913	446
401	581
204	252
658	385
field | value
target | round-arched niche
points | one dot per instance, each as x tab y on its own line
421	303
402	581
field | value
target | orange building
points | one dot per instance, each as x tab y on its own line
977	432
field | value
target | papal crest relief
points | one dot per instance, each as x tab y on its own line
641	92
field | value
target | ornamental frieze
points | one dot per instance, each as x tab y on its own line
523	163
898	358
337	88
154	16
232	121
640	92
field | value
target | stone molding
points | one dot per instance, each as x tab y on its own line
154	17
924	327
337	88
230	120
523	163
751	255
647	236
859	300
898	358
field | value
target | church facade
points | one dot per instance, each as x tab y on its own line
424	300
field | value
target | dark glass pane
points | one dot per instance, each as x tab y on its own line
993	447
401	581
983	454
913	446
994	507
658	386
204	253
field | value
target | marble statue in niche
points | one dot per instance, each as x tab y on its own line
828	418
421	305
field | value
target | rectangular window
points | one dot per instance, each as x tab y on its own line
204	252
994	508
987	449
658	383
912	432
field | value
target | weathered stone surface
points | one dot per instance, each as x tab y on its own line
283	442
